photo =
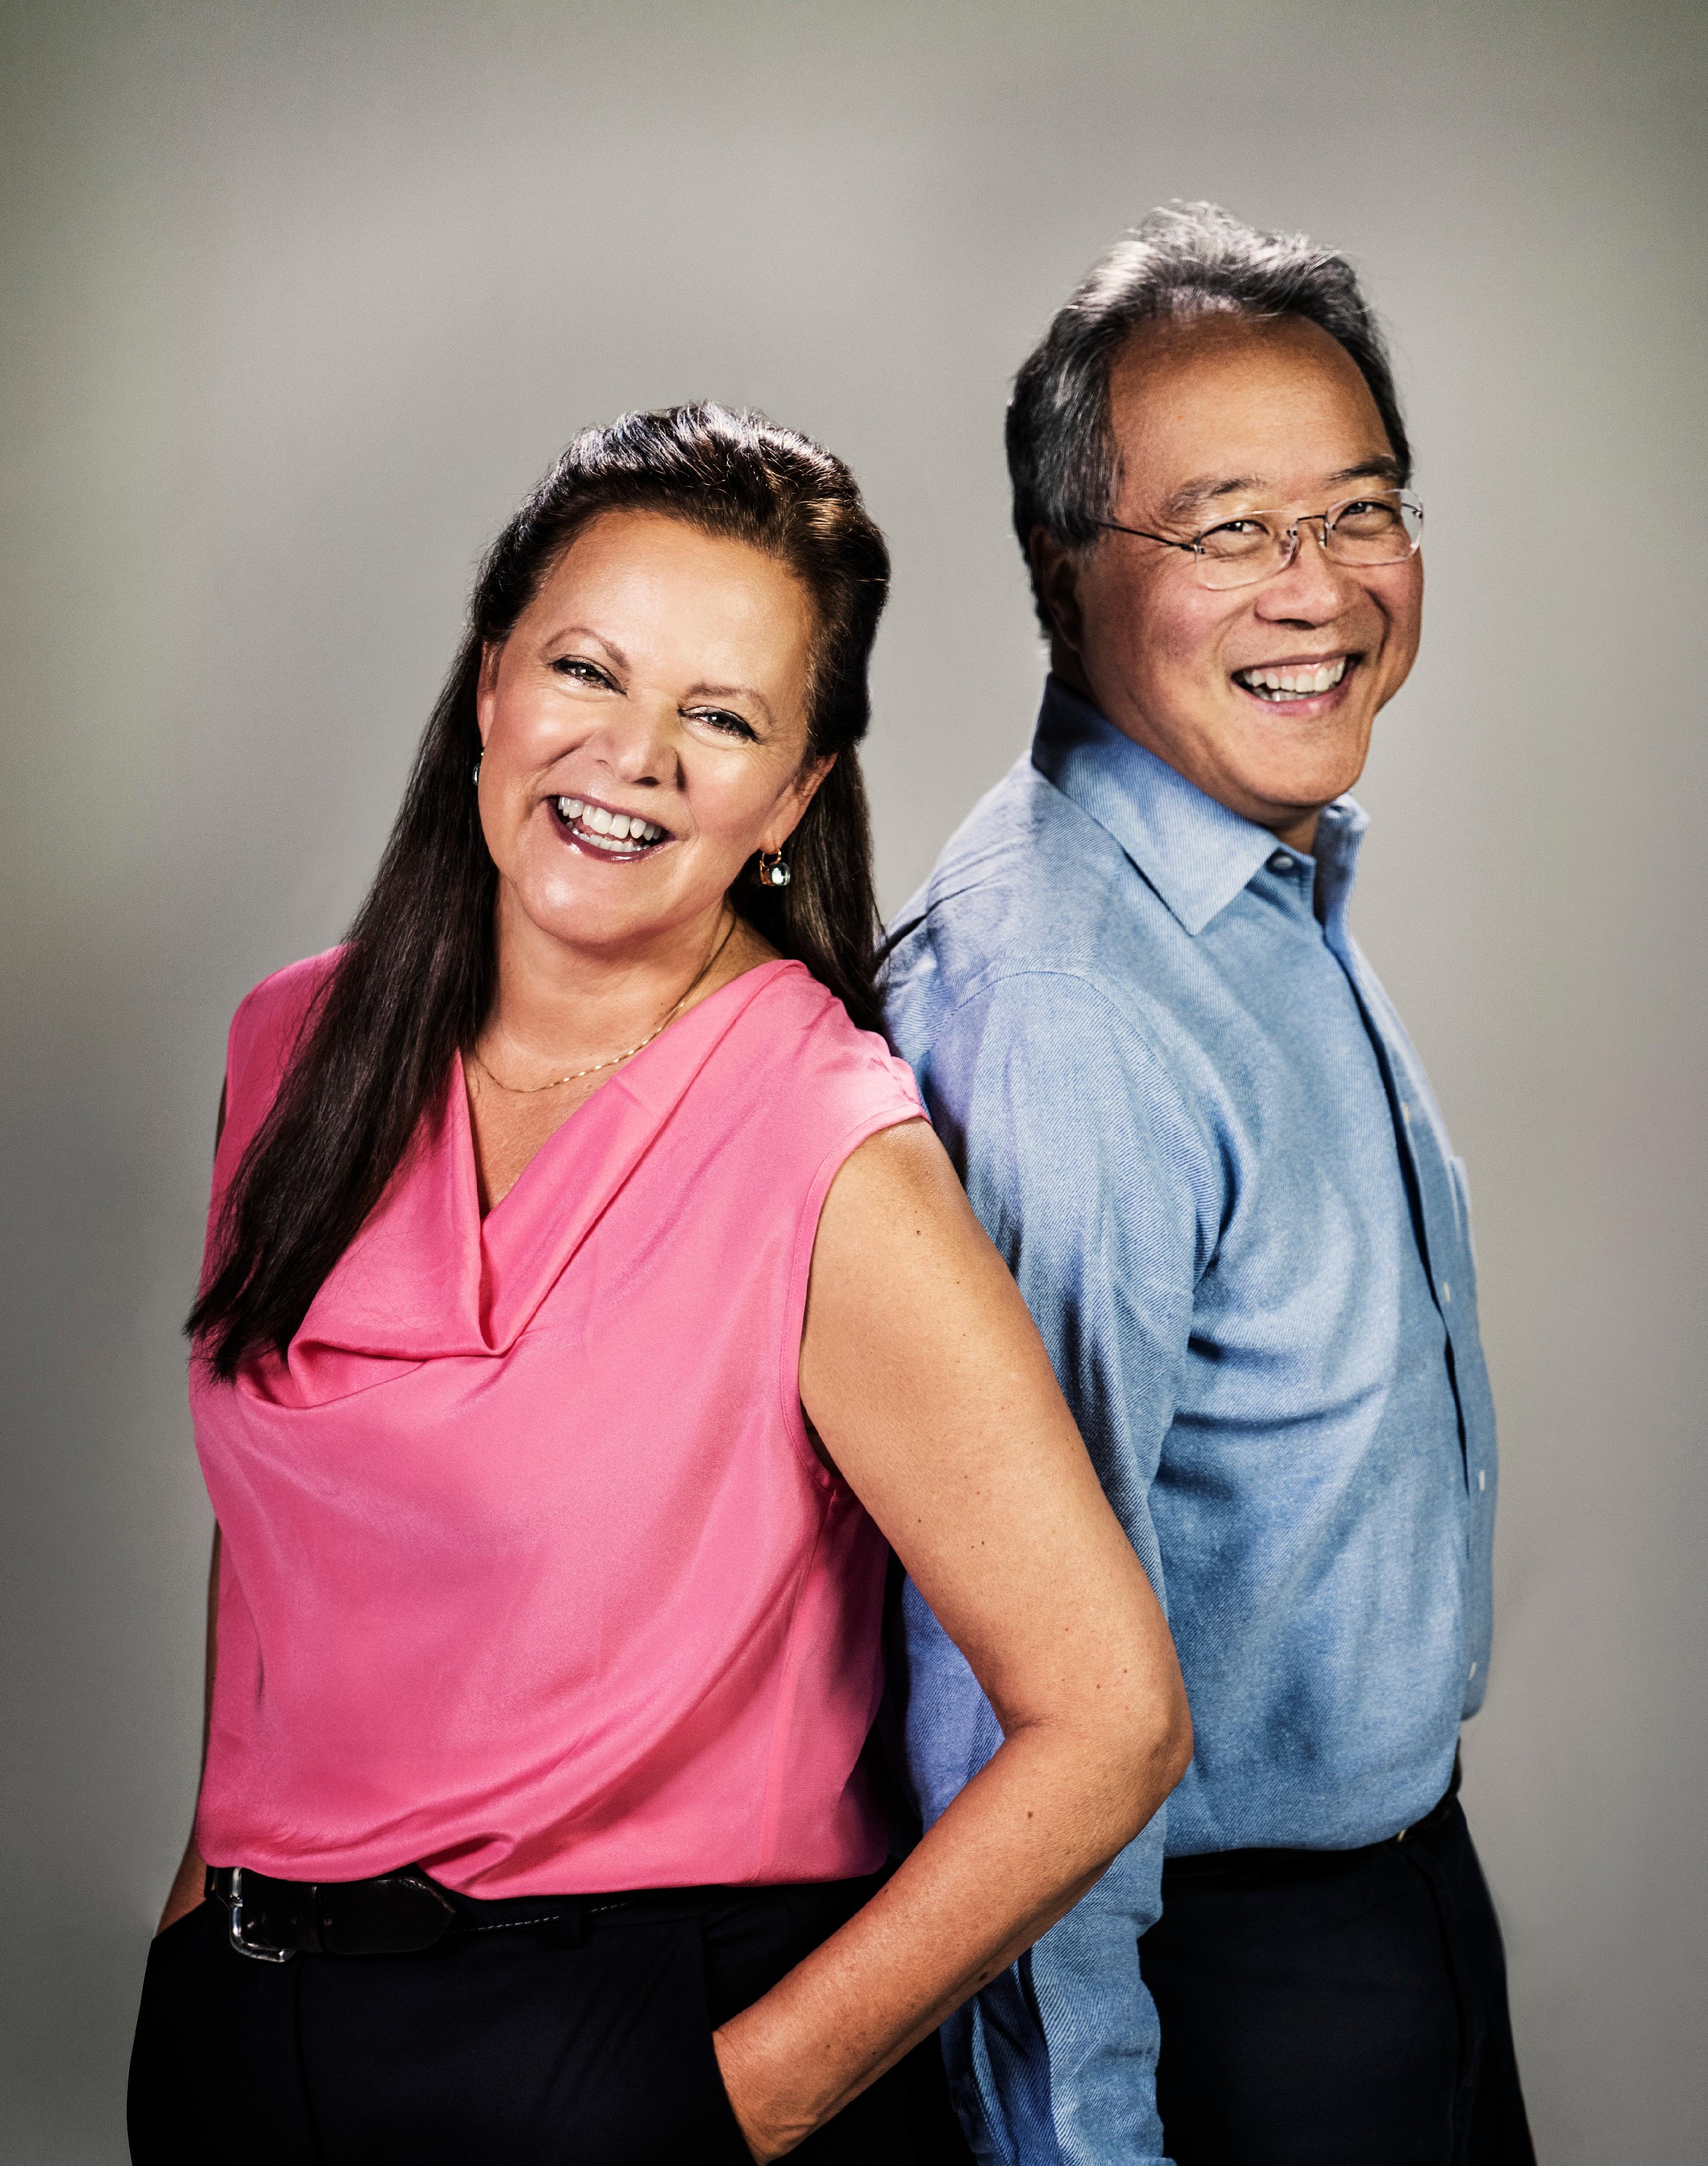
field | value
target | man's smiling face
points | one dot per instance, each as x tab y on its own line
1264	696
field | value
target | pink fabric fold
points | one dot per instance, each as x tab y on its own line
530	1573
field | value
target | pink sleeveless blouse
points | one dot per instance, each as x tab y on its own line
530	1573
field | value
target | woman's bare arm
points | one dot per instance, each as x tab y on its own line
926	1381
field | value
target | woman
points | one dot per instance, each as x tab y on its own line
587	1301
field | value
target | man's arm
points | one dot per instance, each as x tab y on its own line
1097	1188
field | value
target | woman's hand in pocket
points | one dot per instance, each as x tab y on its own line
765	2144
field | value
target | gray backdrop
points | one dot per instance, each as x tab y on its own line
298	300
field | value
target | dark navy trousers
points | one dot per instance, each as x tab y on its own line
1335	2008
582	2041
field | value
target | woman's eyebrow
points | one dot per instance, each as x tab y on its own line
597	639
735	692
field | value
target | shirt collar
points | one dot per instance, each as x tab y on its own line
1340	836
1196	854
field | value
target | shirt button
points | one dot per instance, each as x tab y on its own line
1280	862
1482	1477
1406	1112
1474	1669
1447	1292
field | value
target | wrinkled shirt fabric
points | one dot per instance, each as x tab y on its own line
529	1572
1190	1119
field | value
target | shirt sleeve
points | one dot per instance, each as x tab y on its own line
1088	1172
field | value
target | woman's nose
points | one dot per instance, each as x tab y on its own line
639	744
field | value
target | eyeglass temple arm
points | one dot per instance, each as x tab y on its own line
1144	533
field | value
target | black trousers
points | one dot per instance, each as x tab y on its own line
585	2041
1339	2008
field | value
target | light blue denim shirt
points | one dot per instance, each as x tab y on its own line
1189	1118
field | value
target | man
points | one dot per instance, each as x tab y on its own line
1190	1119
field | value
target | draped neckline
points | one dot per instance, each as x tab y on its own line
427	1277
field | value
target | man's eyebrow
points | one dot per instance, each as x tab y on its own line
735	692
1385	469
1205	489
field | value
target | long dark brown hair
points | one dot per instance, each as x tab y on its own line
418	973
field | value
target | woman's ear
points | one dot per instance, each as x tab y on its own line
486	691
798	795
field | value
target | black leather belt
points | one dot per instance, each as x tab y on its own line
397	1914
402	1913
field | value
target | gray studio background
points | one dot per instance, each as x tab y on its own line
298	300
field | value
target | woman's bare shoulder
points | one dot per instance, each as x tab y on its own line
896	1212
904	1163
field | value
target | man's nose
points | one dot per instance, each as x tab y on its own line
1312	588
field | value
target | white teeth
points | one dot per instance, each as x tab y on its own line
1296	684
612	829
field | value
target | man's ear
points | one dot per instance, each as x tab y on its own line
1057	571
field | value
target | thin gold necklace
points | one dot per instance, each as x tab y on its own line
533	1089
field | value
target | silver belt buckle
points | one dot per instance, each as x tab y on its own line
242	1947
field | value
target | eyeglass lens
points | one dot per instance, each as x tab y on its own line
1364	530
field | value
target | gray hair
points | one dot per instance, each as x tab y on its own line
1187	260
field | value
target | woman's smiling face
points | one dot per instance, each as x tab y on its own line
644	730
